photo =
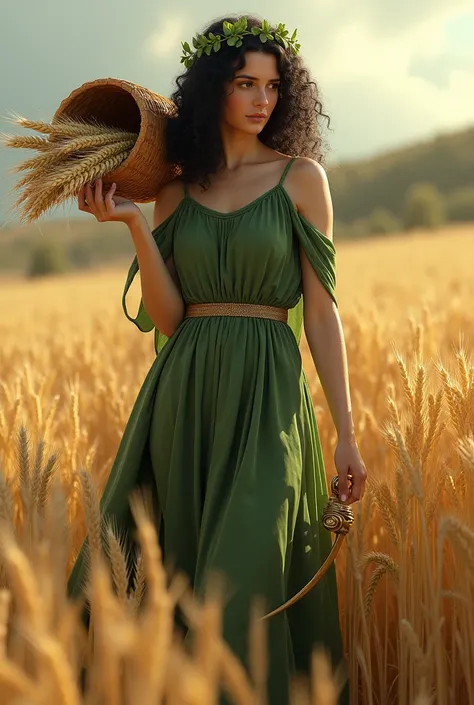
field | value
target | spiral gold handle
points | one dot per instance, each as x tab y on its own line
338	518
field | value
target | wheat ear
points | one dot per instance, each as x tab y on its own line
70	148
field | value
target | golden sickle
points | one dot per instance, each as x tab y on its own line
338	518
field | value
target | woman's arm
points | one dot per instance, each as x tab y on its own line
323	328
159	283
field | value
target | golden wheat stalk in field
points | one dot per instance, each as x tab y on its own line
71	373
73	153
410	603
135	654
410	615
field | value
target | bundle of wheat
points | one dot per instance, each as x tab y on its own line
71	153
105	128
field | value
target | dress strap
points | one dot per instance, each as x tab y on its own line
286	170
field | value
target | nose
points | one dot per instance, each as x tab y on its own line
261	99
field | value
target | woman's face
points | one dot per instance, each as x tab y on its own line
254	91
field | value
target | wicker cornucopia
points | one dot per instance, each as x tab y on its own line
106	128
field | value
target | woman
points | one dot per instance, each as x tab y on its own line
223	425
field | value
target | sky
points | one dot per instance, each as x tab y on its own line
390	74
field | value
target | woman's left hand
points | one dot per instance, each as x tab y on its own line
349	463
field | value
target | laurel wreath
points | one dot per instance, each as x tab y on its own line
233	34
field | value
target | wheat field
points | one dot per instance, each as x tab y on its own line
71	366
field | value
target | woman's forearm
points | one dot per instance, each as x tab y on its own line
161	297
326	342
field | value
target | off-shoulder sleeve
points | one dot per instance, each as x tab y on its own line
321	254
319	250
163	236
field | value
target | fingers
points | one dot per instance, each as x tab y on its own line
109	202
358	485
99	200
81	201
91	200
343	485
105	208
98	197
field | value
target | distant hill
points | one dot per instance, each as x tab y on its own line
382	181
358	189
85	242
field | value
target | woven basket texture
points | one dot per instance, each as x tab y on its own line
122	104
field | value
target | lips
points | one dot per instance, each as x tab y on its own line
257	115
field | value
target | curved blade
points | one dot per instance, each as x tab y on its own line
314	580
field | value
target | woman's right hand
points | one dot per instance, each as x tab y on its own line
108	208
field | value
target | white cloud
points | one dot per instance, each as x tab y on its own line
166	40
358	52
385	71
375	93
389	19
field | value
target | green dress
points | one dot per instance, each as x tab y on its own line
225	430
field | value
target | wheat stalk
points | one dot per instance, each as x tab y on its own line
118	560
43	350
388	510
65	126
413	642
157	614
92	514
258	651
407	387
55	668
139	586
44	128
7	506
66	180
323	686
75	152
16	686
40	144
384	564
38	202
5	602
43	163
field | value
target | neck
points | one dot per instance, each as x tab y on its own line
239	148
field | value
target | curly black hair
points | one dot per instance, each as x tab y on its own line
193	137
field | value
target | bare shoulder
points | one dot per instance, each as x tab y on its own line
308	173
167	200
308	186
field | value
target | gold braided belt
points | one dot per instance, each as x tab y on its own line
230	309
